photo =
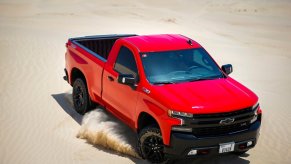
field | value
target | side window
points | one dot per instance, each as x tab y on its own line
125	62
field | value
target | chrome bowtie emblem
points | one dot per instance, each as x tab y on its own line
226	121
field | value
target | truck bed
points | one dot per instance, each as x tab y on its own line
98	45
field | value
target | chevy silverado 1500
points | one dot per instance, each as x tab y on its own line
168	89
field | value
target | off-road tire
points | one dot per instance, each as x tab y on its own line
81	97
150	145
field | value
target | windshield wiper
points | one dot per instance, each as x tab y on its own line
199	79
205	78
163	82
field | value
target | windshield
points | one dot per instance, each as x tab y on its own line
179	66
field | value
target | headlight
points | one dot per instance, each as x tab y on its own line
172	113
255	107
254	119
180	116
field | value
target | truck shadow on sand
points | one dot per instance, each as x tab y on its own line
65	101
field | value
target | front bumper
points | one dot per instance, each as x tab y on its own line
182	143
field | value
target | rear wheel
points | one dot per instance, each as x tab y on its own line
151	145
81	98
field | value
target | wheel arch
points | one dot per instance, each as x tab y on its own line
77	73
144	120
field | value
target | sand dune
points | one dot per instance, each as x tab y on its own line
38	124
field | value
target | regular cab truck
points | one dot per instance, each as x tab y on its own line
168	89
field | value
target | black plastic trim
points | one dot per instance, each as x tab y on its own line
109	36
97	37
182	143
66	75
90	51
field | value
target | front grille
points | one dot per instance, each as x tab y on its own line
220	130
207	125
227	114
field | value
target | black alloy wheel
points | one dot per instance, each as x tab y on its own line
151	145
80	96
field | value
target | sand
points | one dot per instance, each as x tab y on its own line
37	122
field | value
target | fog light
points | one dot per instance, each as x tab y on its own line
249	143
203	152
192	152
242	146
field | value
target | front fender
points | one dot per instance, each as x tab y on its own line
160	114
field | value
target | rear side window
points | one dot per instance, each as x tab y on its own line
125	62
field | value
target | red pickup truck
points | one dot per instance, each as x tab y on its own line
168	89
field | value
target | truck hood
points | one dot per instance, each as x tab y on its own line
208	96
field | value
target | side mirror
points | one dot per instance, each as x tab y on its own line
227	68
126	79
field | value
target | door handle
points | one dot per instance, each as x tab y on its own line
110	78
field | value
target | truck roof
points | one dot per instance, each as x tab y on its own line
161	42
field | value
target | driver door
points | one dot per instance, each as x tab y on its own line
121	99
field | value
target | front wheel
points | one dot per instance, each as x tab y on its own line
80	96
151	144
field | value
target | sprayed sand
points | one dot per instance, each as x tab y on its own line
37	122
97	129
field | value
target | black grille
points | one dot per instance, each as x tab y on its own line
220	130
207	125
227	114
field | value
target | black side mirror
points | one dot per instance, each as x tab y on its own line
227	68
126	79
